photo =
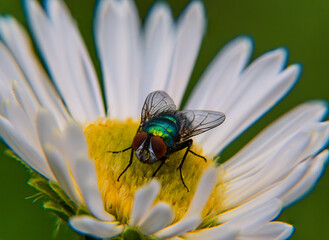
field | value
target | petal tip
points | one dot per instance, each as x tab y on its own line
282	53
196	9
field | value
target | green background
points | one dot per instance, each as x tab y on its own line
300	25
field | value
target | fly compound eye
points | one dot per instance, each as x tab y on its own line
158	146
138	140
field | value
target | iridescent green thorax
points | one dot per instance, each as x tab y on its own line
164	126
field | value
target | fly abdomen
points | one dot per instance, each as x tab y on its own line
164	126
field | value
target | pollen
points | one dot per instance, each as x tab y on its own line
109	135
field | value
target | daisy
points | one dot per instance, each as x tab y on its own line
63	130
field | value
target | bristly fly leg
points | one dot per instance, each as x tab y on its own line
163	159
130	161
187	144
121	151
129	164
198	155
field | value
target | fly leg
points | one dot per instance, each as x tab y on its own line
198	155
163	159
187	144
129	164
131	156
130	161
121	151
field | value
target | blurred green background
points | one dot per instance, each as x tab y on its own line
302	26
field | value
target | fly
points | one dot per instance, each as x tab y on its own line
164	130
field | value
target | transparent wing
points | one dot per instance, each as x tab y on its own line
156	103
197	122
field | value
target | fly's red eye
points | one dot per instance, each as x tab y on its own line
158	146
139	139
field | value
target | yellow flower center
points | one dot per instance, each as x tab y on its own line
113	135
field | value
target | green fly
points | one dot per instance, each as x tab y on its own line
164	130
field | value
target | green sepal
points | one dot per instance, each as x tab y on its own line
57	209
55	199
82	211
132	234
41	184
62	195
10	153
209	224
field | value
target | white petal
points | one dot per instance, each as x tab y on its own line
264	195
286	125
28	104
190	30
319	135
270	231
95	228
18	42
46	126
77	59
22	123
205	187
51	43
222	232
75	142
159	46
60	169
192	218
249	206
86	180
260	74
158	218
83	170
308	181
31	156
251	221
179	228
10	71
254	219
277	167
144	198
50	139
118	46
273	136
221	76
251	104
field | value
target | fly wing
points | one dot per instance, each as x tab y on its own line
156	103
197	122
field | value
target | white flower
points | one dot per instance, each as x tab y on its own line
63	131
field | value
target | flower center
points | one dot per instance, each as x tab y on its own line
113	135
